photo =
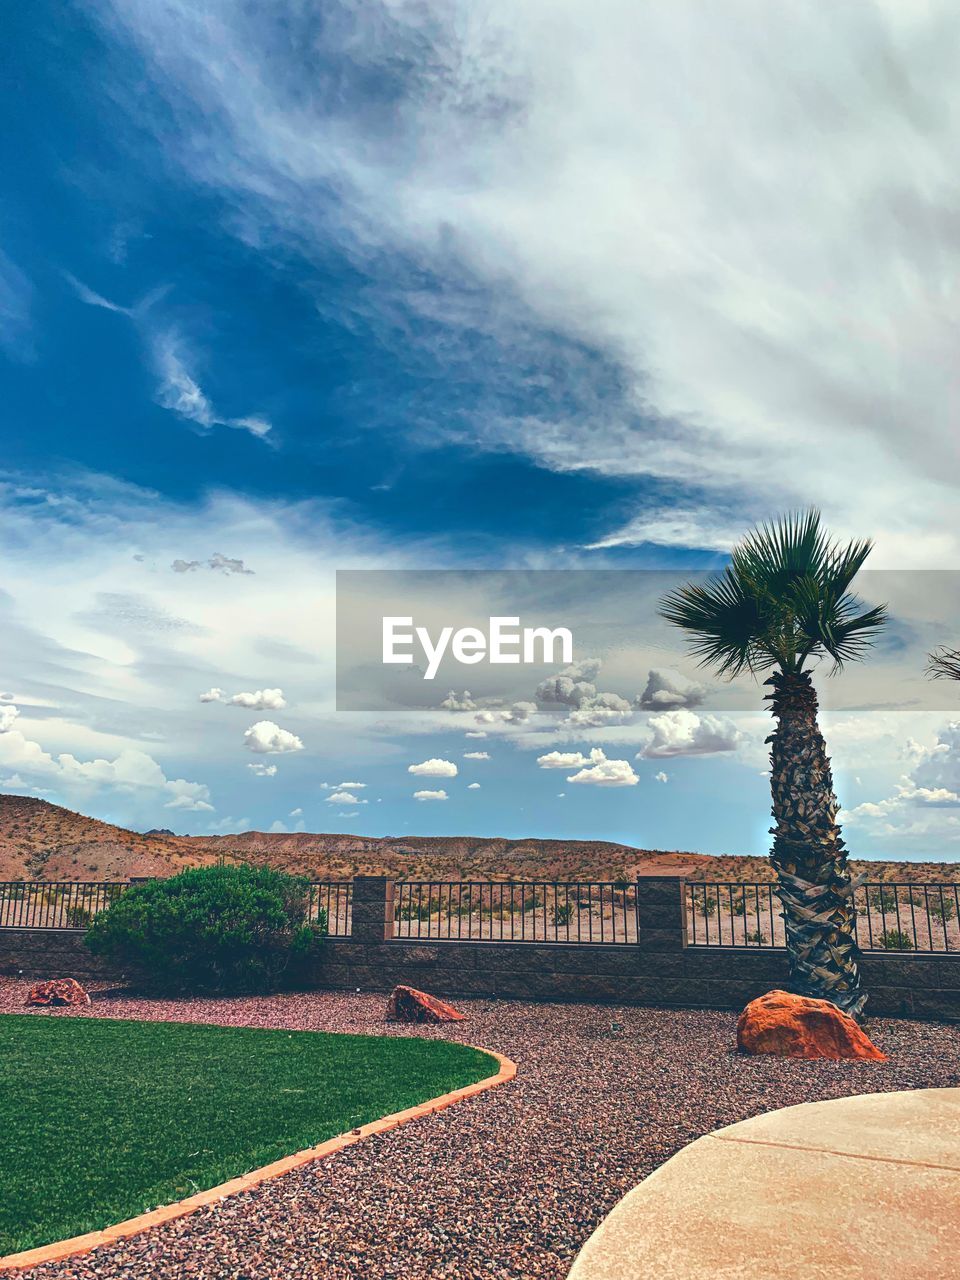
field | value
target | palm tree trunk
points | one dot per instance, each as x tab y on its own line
808	853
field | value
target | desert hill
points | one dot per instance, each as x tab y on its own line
42	841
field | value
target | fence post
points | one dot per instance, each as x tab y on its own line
661	913
372	911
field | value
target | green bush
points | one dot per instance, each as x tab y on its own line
563	913
894	940
225	928
942	909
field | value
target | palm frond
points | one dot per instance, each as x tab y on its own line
943	664
785	597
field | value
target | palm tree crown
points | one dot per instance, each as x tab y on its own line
784	598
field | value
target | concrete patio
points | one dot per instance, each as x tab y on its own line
852	1188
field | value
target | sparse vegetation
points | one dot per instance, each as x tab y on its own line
893	940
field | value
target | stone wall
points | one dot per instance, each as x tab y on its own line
659	970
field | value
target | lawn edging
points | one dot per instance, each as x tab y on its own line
181	1208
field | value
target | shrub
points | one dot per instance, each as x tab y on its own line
562	914
757	937
707	905
225	928
942	909
77	917
884	898
894	940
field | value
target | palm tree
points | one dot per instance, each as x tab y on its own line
783	601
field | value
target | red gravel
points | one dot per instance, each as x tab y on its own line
508	1184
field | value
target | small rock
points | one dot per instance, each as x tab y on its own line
407	1004
58	991
799	1027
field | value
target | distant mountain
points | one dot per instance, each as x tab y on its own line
42	841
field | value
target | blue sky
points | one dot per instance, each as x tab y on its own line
395	285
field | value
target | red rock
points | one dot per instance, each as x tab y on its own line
407	1004
799	1027
58	991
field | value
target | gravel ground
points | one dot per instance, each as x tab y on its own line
508	1184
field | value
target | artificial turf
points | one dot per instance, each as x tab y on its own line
101	1119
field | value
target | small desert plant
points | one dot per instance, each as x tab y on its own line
943	909
894	940
77	917
757	938
563	914
883	898
218	928
707	905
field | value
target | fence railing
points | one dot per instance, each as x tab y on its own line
73	904
55	905
335	897
517	911
891	916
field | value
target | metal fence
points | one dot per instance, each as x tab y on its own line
335	897
891	916
517	911
62	905
73	904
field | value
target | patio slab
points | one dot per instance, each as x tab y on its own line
859	1187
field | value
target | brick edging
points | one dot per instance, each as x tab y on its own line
181	1208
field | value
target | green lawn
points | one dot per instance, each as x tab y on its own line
101	1120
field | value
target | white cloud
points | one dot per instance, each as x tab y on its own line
458	702
562	760
344	797
476	755
603	709
473	786
430	795
296	813
270	739
485	717
178	390
132	771
475	733
684	733
212	695
661	777
606	773
574	688
351	786
263	770
925	806
668	689
220	563
434	768
748	221
519	713
260	700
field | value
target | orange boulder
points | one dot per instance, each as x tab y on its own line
58	991
407	1004
799	1027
